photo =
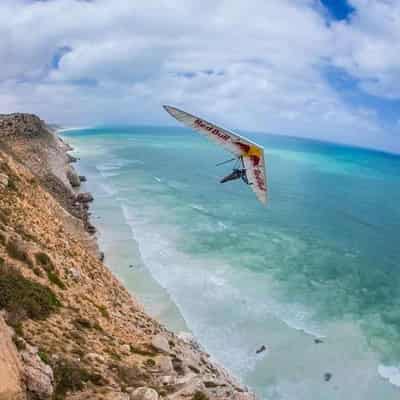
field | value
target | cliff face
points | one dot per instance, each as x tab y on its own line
77	333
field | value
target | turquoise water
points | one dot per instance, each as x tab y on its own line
321	260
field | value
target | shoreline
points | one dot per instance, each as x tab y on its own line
146	234
186	334
125	354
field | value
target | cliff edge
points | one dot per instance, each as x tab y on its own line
68	328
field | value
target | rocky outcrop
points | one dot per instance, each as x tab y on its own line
85	197
73	178
11	369
39	376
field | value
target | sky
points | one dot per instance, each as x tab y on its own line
325	69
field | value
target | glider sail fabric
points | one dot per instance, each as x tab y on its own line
251	153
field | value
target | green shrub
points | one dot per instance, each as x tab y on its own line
54	278
69	376
44	260
103	311
4	217
199	396
43	356
12	183
150	362
24	297
16	250
19	343
82	323
3	238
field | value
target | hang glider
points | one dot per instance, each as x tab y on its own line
249	156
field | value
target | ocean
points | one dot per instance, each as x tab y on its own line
314	276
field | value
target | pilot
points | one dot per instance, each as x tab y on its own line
237	173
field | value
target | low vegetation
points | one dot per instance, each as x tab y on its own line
24	297
16	250
45	261
70	376
199	396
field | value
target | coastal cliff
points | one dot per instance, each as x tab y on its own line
68	328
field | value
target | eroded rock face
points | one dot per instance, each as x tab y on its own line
73	178
11	385
28	125
38	375
3	181
160	343
85	197
144	393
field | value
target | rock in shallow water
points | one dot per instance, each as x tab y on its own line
85	197
73	178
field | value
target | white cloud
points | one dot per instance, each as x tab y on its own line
369	46
250	65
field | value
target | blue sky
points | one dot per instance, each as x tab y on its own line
326	69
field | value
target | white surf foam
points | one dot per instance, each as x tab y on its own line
390	373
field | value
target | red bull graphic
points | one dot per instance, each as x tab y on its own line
253	152
211	129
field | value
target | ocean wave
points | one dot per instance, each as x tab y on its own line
390	373
73	128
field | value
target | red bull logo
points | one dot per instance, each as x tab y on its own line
211	129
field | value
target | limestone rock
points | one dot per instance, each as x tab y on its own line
91	228
187	337
116	396
160	343
3	181
85	197
95	357
76	274
38	375
73	178
164	364
125	348
10	366
144	393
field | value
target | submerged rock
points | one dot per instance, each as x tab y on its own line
327	376
73	178
261	349
91	229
